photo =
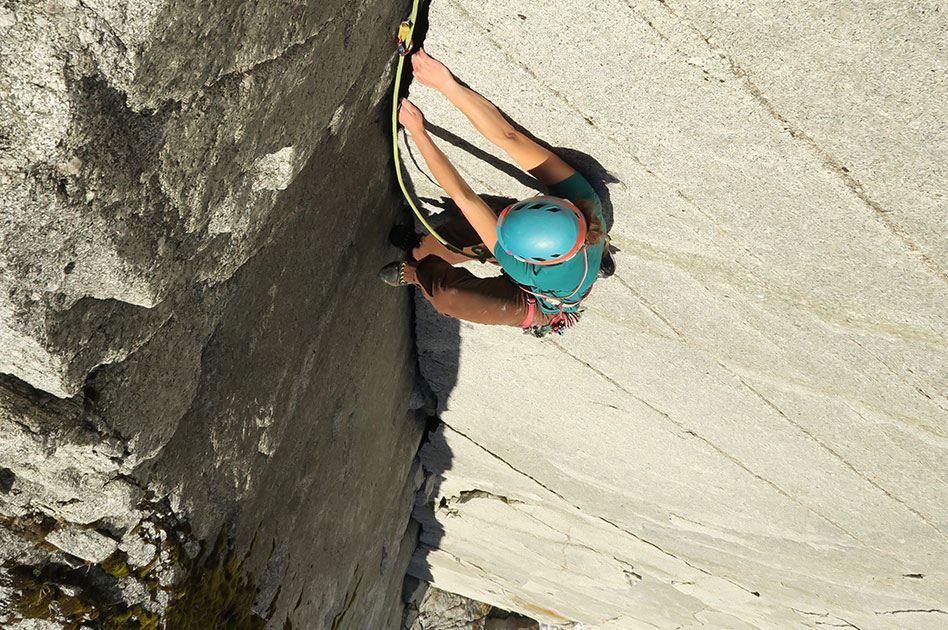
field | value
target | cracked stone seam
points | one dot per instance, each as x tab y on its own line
599	518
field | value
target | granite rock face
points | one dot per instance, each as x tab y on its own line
748	428
144	146
429	608
194	199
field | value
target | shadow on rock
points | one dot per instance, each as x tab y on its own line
588	166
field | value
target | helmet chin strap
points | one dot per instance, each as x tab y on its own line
585	273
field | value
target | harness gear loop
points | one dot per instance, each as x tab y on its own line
531	311
561	320
405	45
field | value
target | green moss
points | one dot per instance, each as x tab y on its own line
36	599
34	528
73	607
116	565
145	570
41	598
217	594
132	618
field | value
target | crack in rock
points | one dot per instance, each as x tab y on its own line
263	63
470	495
600	518
834	453
912	610
107	26
711	445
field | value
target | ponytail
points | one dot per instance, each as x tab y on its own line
595	230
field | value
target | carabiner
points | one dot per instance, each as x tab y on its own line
404	32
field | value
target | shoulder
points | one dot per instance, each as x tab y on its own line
577	189
518	270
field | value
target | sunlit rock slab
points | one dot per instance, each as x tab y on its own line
761	391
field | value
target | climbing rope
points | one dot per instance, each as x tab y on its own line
405	31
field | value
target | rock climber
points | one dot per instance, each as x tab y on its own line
550	248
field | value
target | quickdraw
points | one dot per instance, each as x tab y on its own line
558	324
403	37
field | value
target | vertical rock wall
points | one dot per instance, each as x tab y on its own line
144	151
748	429
194	199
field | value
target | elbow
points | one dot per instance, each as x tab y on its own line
509	136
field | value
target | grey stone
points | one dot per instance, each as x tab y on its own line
86	544
193	203
750	419
430	608
417	473
139	552
13	549
192	548
124	173
414	591
169	573
36	624
6	595
268	582
134	592
162	599
62	468
440	610
409	620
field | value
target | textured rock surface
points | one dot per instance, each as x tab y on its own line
429	608
194	198
749	427
144	148
57	464
439	610
85	544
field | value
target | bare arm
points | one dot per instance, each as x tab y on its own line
532	157
477	213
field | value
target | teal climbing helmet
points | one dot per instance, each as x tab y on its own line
541	230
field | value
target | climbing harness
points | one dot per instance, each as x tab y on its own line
404	46
561	321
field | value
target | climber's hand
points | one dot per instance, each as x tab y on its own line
429	71
410	117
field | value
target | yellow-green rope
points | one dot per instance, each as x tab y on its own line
404	35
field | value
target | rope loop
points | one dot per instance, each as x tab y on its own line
405	46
